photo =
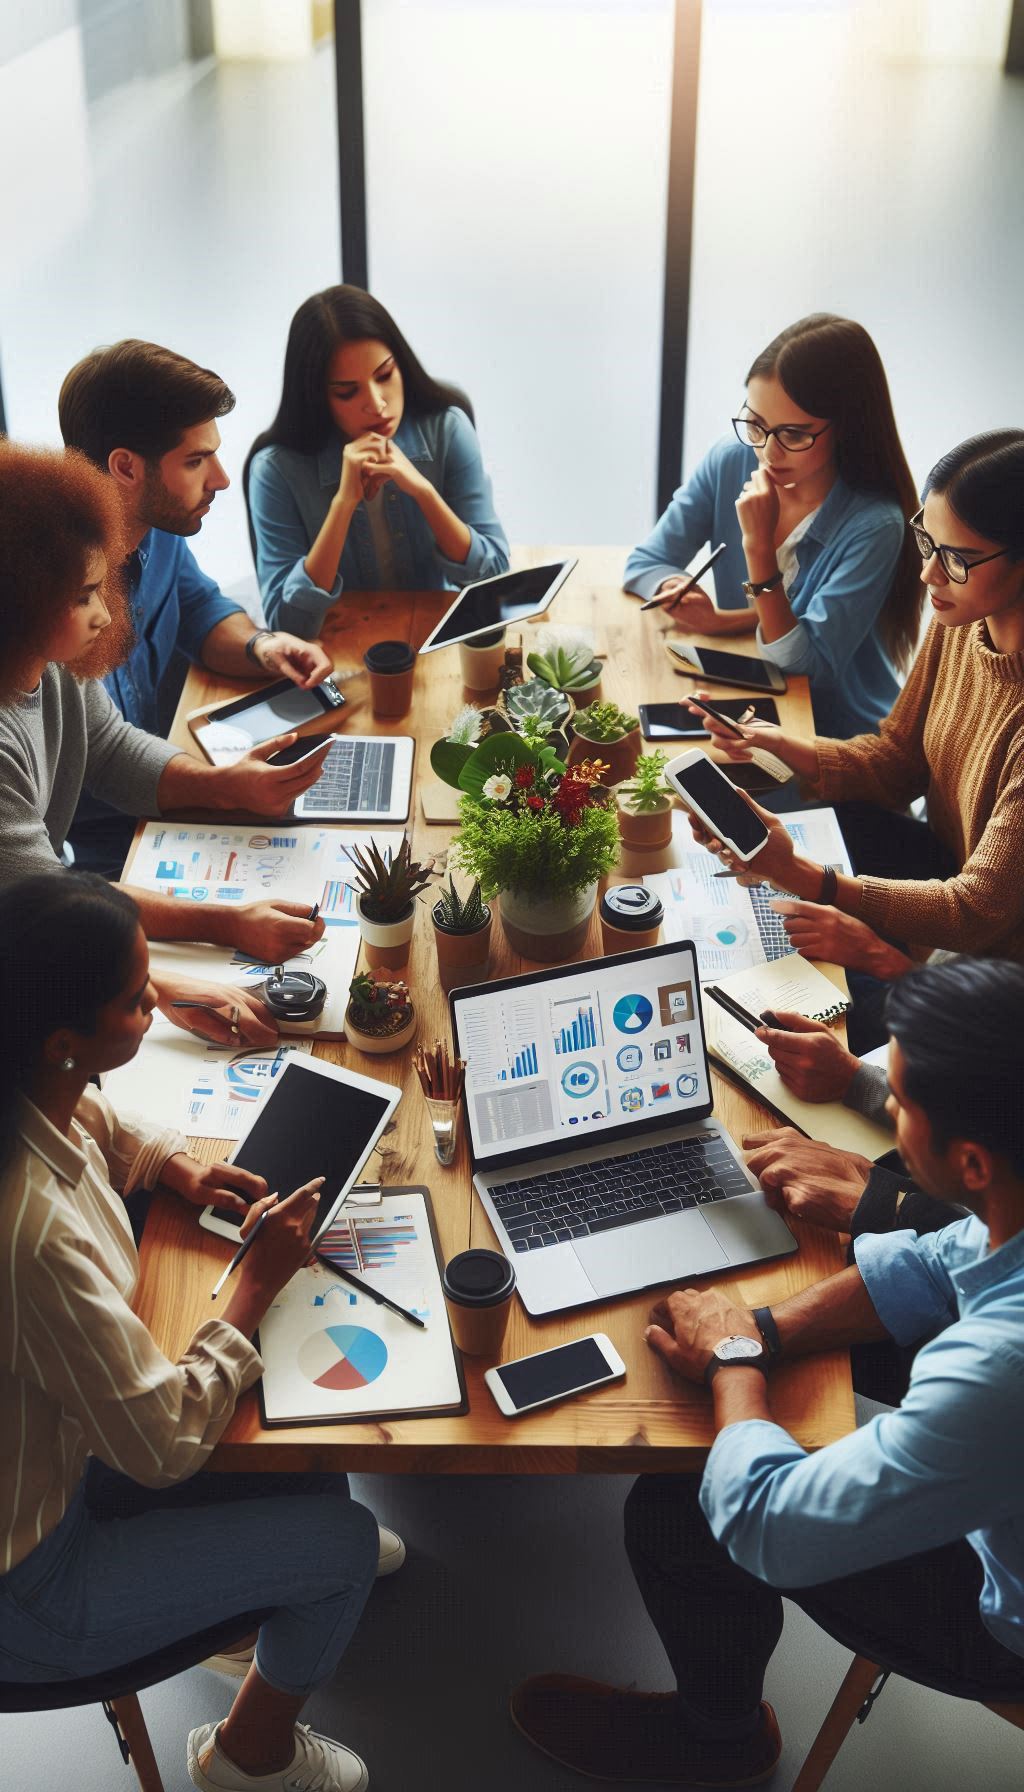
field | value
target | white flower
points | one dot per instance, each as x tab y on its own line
465	728
498	787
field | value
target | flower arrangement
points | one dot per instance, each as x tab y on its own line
527	823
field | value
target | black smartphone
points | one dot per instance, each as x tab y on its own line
729	668
673	721
716	802
303	748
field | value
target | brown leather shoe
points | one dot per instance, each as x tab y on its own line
611	1733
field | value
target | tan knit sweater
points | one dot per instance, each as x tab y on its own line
956	734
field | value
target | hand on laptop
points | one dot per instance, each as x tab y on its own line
686	1326
806	1179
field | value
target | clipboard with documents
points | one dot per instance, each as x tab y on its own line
333	1355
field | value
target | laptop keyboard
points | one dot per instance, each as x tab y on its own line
582	1199
357	776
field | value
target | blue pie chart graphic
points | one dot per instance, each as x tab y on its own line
632	1014
343	1356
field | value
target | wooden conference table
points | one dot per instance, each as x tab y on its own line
649	1421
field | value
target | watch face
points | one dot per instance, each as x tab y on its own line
734	1350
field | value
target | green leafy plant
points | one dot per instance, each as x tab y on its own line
378	1007
604	722
646	790
566	668
536	704
461	914
389	881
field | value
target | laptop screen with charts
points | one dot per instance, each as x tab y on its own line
589	1112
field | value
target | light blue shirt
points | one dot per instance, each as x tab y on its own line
845	566
290	494
947	1464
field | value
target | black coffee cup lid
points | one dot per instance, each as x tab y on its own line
632	907
479	1279
389	656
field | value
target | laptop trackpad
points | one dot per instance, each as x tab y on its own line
681	1244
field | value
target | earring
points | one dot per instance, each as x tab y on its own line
68	1064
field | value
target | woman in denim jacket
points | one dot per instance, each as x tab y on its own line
370	475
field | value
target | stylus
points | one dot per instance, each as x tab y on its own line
241	1251
672	598
345	1275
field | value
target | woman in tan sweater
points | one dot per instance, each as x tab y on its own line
955	735
111	1545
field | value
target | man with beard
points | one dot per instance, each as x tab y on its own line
148	418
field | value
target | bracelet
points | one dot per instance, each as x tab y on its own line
829	885
762	585
763	1319
250	645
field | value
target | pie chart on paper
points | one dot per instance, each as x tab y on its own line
343	1357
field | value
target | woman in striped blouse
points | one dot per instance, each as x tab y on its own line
111	1544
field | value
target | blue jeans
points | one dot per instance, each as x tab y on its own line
130	1569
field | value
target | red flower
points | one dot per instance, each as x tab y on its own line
535	802
524	777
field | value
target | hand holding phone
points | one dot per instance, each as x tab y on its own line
717	804
737	741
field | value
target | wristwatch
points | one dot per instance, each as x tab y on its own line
761	585
739	1352
250	646
764	1319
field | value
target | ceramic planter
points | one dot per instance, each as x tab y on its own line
386	943
378	1044
548	929
583	695
621	754
643	830
462	957
482	661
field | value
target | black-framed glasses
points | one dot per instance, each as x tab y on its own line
789	435
951	560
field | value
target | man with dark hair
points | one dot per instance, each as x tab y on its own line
147	417
905	1540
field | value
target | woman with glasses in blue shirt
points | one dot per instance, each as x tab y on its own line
370	475
811	495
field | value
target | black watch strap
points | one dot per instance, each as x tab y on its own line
768	1329
250	646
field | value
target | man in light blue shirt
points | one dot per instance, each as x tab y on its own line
904	1540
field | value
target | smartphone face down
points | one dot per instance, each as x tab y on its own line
714	800
554	1374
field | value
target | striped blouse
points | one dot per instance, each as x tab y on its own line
79	1373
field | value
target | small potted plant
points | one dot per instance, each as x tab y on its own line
380	1016
388	885
568	664
535	707
462	935
644	803
617	734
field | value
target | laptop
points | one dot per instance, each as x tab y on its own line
364	778
589	1117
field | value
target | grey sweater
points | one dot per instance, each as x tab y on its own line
56	740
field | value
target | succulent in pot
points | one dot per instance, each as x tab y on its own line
568	665
388	884
536	706
462	935
614	731
644	804
380	1016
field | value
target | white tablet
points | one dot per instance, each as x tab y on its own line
365	777
318	1120
495	603
229	730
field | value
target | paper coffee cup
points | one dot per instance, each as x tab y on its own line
478	1289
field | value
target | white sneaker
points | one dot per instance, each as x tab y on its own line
318	1765
390	1552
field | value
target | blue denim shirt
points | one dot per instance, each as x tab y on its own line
290	495
173	607
947	1464
845	566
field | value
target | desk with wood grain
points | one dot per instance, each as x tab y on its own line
648	1422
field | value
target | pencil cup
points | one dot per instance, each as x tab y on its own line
444	1124
478	1289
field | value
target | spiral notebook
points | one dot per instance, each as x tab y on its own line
784	983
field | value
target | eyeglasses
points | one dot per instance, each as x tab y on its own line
790	437
951	560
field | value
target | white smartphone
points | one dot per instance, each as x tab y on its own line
556	1374
717	803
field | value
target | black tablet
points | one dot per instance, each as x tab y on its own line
494	603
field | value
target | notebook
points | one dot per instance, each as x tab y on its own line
332	1355
789	983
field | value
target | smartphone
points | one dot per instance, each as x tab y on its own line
552	1375
729	668
233	729
301	749
717	803
673	721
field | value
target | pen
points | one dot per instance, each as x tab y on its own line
240	1253
208	1008
314	911
671	598
736	1009
364	1288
